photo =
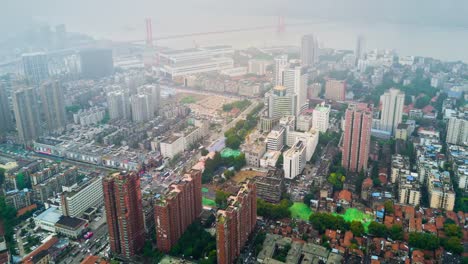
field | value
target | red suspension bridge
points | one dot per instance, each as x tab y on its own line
280	28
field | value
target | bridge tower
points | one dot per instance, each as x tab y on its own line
150	57
149	32
281	27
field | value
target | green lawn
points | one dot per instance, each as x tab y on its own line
353	214
227	152
208	202
204	190
300	211
188	100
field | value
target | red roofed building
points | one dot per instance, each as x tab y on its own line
430	228
345	197
347	238
388	221
44	247
439	222
94	260
415	225
417	257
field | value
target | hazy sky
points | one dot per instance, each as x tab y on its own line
427	11
436	28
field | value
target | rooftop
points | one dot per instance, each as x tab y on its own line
51	215
71	222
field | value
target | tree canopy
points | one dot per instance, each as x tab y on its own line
273	211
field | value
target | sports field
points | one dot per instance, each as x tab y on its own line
208	202
300	211
227	152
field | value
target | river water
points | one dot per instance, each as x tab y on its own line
446	43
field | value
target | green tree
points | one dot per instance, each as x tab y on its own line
221	198
422	101
396	232
336	179
228	173
453	244
377	229
389	207
279	162
453	230
2	176
273	211
357	228
323	221
204	152
423	241
233	142
308	197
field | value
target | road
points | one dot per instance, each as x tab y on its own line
101	233
22	253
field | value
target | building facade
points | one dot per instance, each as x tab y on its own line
294	160
320	117
119	105
35	66
77	199
457	131
392	102
235	223
96	63
175	210
53	104
6	121
357	133
309	50
124	213
281	103
335	90
27	117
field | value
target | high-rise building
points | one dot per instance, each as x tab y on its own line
53	103
392	102
457	131
335	90
295	83
154	91
27	116
124	212
35	66
320	117
175	210
275	139
235	223
294	160
281	62
96	63
142	108
61	36
309	50
6	121
119	105
357	133
258	67
281	103
359	52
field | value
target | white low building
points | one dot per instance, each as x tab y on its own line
294	160
77	199
47	219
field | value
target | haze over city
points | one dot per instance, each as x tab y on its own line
203	131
